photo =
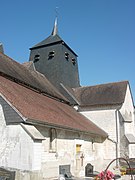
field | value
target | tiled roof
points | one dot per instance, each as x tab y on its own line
33	79
51	40
105	94
36	107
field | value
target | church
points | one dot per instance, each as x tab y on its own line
51	125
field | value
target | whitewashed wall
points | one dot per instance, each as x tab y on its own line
37	155
105	119
106	151
128	120
127	112
66	152
117	121
17	149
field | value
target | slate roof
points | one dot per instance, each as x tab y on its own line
104	94
35	107
32	79
50	40
56	39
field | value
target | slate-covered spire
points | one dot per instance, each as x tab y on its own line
55	28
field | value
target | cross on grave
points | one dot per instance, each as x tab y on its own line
82	157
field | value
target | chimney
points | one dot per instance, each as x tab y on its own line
1	48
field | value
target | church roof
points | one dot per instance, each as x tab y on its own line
104	94
32	79
40	109
52	39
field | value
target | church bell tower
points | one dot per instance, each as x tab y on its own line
56	60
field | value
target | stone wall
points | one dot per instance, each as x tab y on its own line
17	149
33	159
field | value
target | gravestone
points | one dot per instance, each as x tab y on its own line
6	174
65	170
88	170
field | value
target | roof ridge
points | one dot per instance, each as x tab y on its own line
124	81
47	41
42	75
9	57
24	84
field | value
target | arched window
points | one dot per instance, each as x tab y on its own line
53	140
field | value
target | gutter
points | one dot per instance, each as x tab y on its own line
47	124
117	138
116	145
117	135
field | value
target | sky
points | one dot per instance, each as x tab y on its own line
100	32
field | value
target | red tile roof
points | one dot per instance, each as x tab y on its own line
39	108
32	79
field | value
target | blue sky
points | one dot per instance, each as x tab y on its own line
101	32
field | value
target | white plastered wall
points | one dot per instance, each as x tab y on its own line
106	151
105	119
127	112
17	148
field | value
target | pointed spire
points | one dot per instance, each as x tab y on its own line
55	28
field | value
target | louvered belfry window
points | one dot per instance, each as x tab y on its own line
51	54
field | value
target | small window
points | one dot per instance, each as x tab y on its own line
73	61
36	58
53	140
51	54
66	55
78	148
